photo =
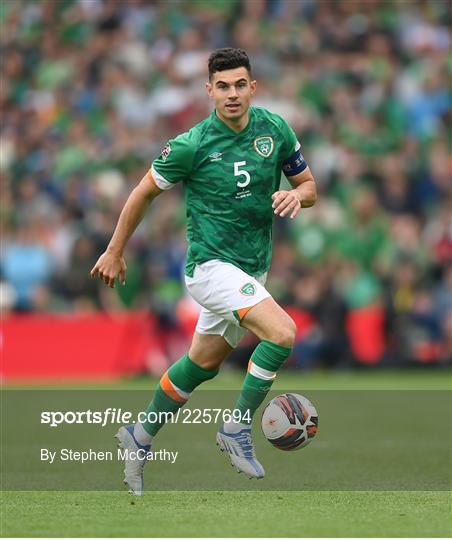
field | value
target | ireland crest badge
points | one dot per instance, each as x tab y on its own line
248	289
264	146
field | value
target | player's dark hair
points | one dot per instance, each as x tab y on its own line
228	58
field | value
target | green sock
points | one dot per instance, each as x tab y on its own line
174	390
265	361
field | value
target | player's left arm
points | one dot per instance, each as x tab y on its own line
303	194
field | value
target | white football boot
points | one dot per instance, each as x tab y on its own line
240	448
134	460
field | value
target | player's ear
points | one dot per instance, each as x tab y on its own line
253	86
209	89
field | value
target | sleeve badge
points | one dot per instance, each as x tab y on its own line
166	151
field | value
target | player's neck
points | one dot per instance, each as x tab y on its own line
236	124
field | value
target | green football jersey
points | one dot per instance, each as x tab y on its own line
229	179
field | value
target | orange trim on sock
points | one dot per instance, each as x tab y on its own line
168	388
243	311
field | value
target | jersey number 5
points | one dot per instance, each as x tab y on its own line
238	172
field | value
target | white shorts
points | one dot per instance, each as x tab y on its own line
225	293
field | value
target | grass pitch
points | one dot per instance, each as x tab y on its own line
242	513
228	514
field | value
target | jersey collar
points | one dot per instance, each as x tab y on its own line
226	129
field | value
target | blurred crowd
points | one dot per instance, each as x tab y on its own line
92	89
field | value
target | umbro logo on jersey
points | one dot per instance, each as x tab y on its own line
216	156
248	289
264	146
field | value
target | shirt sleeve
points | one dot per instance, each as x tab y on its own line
293	161
291	144
175	162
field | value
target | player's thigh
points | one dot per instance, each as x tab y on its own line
208	350
269	321
225	290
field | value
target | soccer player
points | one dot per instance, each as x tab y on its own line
230	164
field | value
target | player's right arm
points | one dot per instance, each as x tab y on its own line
111	264
172	166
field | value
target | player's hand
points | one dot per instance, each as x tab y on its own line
285	202
109	267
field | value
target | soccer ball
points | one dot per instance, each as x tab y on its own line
290	421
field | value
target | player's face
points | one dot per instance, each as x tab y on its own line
231	91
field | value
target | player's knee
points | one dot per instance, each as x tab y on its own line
208	353
208	363
285	333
